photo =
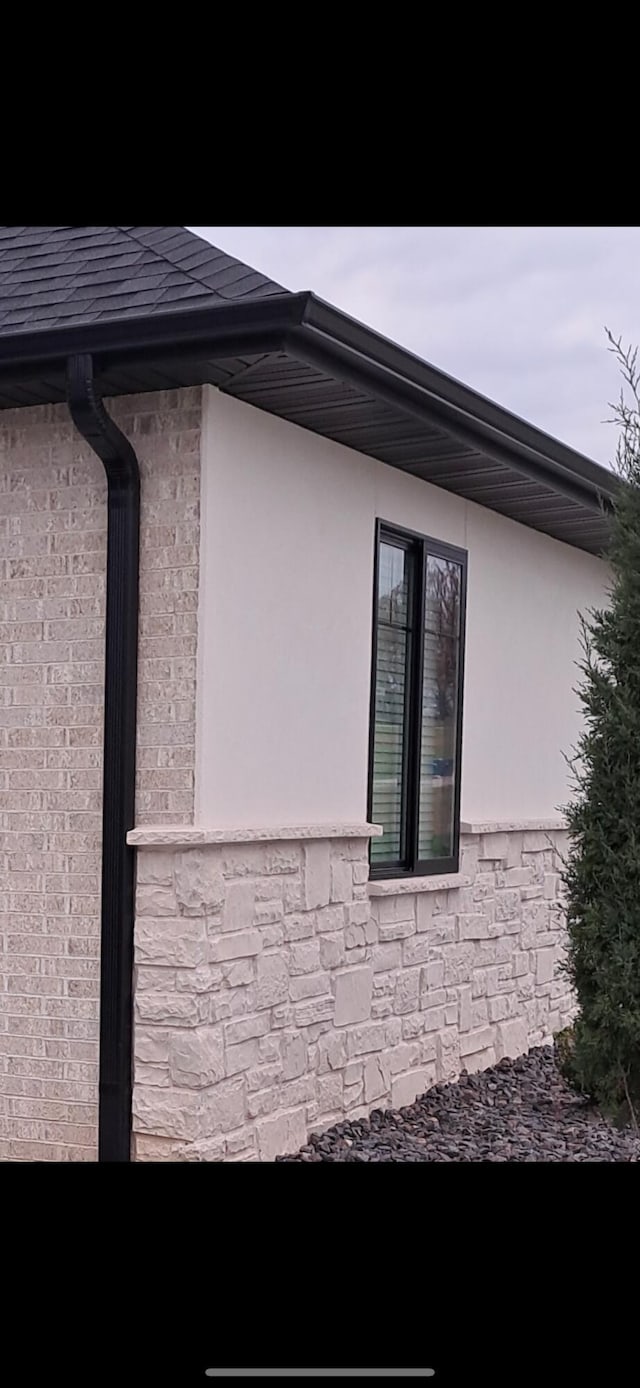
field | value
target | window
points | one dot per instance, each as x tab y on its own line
416	704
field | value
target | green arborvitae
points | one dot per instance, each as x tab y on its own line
602	869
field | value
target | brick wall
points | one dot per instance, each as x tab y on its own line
277	993
52	602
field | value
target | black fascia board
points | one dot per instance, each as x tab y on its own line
315	332
199	332
477	420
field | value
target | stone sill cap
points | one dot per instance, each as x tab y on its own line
512	826
186	836
405	886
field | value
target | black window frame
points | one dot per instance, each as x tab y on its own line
421	546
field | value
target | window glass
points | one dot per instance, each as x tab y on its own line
436	829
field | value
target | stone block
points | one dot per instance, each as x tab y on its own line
480	1060
222	1108
304	958
199	884
281	1135
316	874
169	1009
239	972
390	909
241	1057
332	951
479	1040
406	1088
432	976
535	841
166	1112
151	1045
196	1059
396	930
545	965
363	1039
268	913
156	901
507	904
307	1014
309	986
247	942
359	913
332	1051
272	981
329	1091
294	1057
385	957
329	920
298	926
245	1029
458	963
416	950
239	905
512	1038
341	881
154	868
434	1018
407	992
447	1056
170	942
377	1078
424	910
353	996
443	930
404	1056
494	847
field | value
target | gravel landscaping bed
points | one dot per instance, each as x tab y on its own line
520	1110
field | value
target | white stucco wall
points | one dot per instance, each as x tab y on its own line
285	631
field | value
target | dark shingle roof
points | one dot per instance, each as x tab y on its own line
52	277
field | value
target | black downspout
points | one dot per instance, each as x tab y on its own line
119	751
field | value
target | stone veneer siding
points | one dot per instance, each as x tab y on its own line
277	990
53	527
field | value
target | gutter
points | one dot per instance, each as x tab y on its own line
322	336
119	752
327	337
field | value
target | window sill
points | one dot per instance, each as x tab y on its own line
411	886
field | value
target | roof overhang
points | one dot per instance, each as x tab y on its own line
297	357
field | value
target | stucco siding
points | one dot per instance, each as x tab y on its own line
285	623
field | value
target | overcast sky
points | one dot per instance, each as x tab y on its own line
516	312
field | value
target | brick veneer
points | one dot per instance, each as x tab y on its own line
52	560
275	995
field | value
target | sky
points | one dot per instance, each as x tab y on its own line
518	313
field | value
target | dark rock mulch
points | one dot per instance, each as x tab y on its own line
520	1110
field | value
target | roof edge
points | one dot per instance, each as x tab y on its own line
315	331
128	337
473	416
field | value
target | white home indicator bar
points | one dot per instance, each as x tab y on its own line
319	1373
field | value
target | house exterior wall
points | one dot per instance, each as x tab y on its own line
53	525
276	989
285	644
